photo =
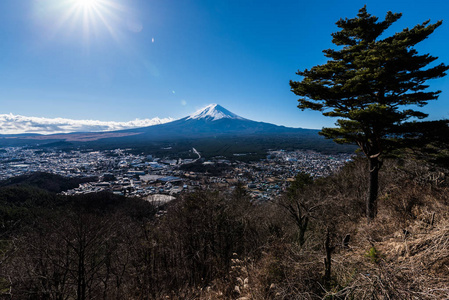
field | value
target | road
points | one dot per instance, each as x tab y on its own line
197	153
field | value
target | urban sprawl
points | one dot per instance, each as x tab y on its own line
161	179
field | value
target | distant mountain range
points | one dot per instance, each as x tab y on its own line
213	122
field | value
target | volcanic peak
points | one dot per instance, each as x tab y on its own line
214	112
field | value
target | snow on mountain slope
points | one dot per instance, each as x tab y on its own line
214	112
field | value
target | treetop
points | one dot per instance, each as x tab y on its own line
373	84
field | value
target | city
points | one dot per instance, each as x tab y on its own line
162	179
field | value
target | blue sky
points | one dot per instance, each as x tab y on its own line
122	60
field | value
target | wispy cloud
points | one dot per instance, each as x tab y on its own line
16	124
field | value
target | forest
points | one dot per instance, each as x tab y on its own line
311	243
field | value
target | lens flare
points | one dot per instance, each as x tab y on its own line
86	4
85	21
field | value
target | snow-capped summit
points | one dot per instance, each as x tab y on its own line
214	112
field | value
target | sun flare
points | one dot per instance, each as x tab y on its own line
86	4
92	16
86	21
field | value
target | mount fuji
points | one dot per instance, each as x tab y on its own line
213	121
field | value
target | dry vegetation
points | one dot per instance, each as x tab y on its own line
215	245
403	254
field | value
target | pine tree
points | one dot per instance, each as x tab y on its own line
373	84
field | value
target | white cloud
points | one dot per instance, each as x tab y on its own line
16	124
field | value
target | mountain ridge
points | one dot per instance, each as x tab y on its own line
213	127
211	120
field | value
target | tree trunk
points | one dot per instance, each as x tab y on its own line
302	230
81	275
371	202
328	259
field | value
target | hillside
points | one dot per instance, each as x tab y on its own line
212	245
46	181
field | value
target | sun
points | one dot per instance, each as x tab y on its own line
86	4
91	16
86	21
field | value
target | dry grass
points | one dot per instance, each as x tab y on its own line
410	237
410	263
